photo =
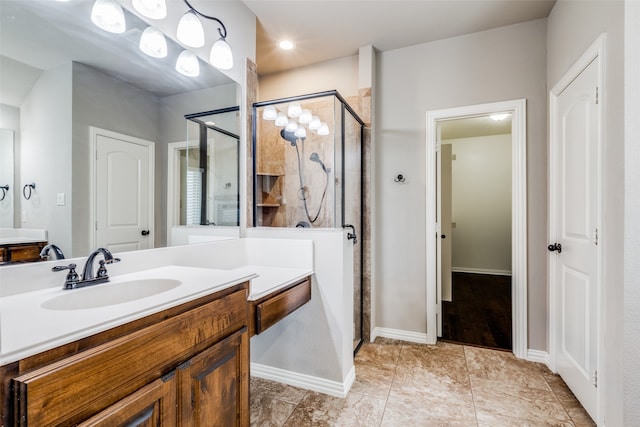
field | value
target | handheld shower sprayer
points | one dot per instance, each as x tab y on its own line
316	158
290	136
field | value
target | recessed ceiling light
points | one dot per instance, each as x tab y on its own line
286	44
499	117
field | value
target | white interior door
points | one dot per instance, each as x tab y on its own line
124	192
574	268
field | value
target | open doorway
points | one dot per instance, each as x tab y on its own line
434	232
474	212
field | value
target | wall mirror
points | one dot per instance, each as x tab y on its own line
74	95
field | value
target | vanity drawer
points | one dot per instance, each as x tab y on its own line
27	252
77	387
268	310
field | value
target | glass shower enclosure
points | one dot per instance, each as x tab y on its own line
307	171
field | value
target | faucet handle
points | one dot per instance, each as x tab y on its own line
72	278
102	270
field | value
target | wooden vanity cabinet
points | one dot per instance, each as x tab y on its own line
275	306
21	252
187	366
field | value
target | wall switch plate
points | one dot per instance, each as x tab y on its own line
60	199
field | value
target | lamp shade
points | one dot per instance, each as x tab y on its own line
305	116
291	126
190	30
187	64
154	9
294	109
301	132
108	15
221	56
153	43
324	129
315	123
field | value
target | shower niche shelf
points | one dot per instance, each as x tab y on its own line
268	196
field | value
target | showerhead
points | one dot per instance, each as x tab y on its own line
289	136
316	158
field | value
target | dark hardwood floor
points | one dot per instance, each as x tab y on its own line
480	313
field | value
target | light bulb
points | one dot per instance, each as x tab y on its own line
323	129
294	109
269	113
305	116
108	15
281	119
221	56
291	126
153	43
301	132
190	31
315	123
187	64
154	9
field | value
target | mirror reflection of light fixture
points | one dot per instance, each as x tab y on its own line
154	9
315	123
301	132
153	43
499	117
281	119
305	116
291	126
323	129
294	109
108	15
187	64
269	113
221	56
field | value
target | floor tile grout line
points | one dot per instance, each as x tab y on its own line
473	397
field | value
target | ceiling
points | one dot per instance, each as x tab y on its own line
329	29
472	127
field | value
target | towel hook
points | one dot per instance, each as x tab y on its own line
27	189
4	189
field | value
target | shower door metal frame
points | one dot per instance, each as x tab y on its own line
344	106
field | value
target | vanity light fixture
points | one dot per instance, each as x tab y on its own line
191	33
281	119
187	64
301	132
305	116
154	9
269	113
153	43
108	15
190	30
499	117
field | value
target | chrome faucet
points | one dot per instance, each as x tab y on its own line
87	273
44	253
73	281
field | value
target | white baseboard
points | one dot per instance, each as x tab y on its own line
308	382
398	334
538	356
481	271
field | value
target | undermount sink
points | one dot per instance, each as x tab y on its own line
109	294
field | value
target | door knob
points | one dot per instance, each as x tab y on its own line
145	232
555	247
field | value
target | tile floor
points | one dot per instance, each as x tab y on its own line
405	384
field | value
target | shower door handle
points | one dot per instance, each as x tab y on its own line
351	236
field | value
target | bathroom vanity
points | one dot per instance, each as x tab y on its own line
162	346
18	251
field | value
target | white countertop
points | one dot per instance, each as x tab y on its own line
27	328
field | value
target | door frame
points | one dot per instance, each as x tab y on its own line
595	52
94	132
518	110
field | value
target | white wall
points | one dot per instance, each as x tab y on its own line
45	150
631	337
481	203
10	119
340	74
586	21
500	64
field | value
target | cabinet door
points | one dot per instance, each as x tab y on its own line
152	406
213	387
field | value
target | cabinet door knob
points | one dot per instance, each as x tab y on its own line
145	232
